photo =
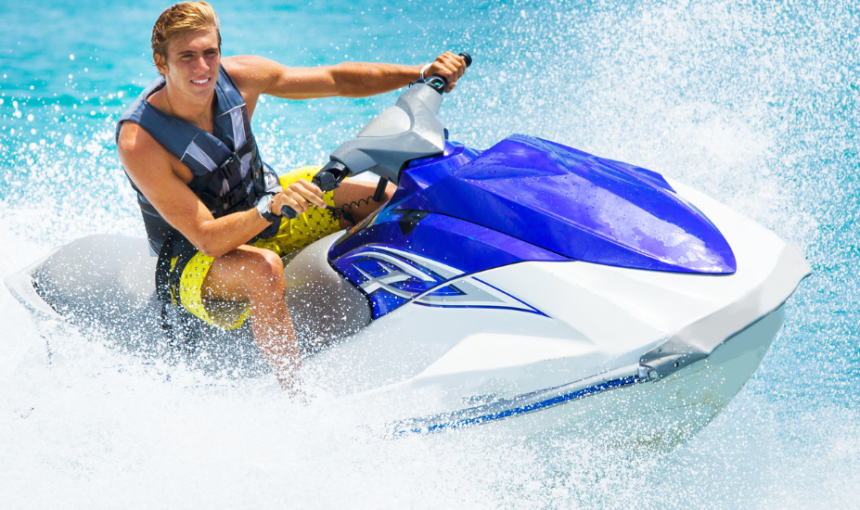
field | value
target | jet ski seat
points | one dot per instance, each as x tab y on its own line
108	281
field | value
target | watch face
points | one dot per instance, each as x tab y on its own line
264	206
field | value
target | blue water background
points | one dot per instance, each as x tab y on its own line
755	103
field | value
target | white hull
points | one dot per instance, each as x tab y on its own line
622	406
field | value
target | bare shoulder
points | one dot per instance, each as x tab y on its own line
135	142
140	153
253	76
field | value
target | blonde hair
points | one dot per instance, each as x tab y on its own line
180	20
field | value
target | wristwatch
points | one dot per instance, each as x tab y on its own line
264	209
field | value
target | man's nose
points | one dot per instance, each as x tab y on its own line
200	64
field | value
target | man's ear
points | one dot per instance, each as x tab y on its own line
160	63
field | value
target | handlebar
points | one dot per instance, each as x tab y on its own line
438	83
327	179
288	212
333	173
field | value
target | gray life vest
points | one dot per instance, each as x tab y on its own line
228	173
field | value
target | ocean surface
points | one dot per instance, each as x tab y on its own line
753	102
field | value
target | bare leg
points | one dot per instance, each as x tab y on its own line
257	275
356	197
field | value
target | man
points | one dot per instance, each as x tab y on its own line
210	205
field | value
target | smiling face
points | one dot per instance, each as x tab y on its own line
192	65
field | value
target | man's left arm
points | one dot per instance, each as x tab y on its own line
257	75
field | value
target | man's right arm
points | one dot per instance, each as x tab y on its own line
151	168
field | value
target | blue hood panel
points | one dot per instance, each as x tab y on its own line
581	206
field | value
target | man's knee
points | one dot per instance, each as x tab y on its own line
267	267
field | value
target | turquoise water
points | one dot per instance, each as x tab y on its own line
754	103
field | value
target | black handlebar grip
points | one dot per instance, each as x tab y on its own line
288	212
467	58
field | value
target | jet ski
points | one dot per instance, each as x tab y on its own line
530	286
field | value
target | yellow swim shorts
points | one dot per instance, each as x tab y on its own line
293	234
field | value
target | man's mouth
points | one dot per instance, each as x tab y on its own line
201	83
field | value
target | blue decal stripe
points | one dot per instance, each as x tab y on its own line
487	307
544	404
535	310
